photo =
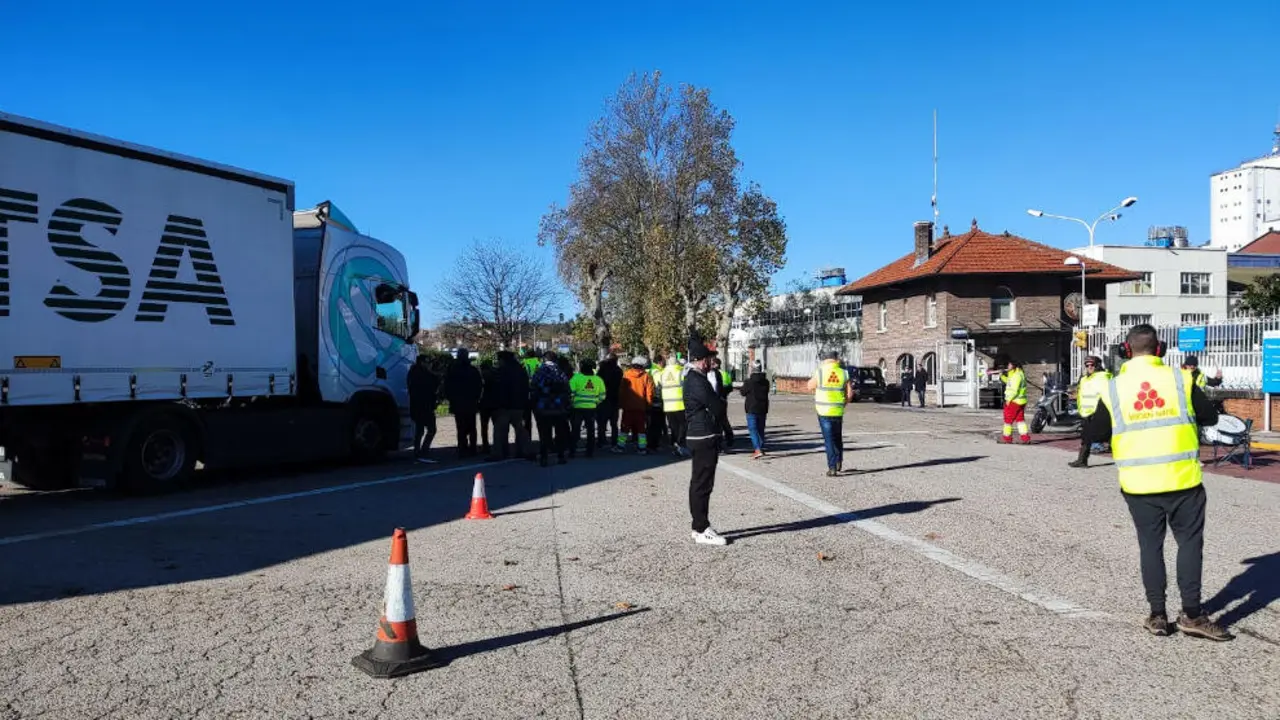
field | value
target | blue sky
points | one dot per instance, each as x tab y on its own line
434	123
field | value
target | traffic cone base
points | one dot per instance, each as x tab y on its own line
479	503
397	651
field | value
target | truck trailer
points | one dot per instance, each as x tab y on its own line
159	311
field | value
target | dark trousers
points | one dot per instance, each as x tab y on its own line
1183	513
726	428
553	434
920	396
528	422
1085	445
706	455
656	427
504	421
607	418
486	416
465	420
424	428
675	422
833	440
582	417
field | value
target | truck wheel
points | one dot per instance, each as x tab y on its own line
161	454
368	437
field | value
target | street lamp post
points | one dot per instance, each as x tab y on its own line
808	312
1091	227
1084	299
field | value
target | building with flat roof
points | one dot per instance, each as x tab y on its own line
1244	202
1175	285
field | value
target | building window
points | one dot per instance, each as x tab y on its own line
904	311
1135	319
929	366
1144	285
1195	318
1004	307
884	316
931	310
1195	283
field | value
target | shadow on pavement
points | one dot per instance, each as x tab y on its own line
526	510
902	508
236	529
1258	586
921	464
449	653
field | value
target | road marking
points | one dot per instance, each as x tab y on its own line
974	570
204	510
892	432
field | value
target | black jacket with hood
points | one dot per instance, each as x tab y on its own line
756	392
702	407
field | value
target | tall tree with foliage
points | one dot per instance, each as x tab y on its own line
755	249
649	213
1262	296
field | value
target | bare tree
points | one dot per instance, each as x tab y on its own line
495	293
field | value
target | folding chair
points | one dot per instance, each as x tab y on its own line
1239	446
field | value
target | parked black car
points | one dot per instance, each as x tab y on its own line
868	383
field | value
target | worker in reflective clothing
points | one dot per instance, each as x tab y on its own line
1015	402
1150	412
1093	383
831	392
530	361
671	386
656	427
1191	363
587	392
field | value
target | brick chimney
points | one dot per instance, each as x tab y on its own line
924	241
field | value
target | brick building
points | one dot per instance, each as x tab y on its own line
1005	293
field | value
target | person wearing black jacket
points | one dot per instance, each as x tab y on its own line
510	399
549	390
607	410
424	396
487	402
702	410
462	387
756	391
918	382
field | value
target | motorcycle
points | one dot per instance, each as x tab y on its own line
1048	413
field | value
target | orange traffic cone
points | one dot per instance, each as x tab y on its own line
397	651
479	503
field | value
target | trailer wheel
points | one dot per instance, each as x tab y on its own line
161	454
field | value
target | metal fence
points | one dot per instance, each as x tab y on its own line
801	360
1234	346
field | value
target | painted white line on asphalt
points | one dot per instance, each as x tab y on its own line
891	432
144	519
974	570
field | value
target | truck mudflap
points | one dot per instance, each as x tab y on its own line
407	429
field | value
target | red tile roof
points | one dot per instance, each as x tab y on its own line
1268	244
981	253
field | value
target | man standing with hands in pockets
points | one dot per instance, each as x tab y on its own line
702	410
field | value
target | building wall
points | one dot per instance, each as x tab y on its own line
1166	304
1244	203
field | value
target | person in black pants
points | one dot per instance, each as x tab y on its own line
462	388
908	382
488	402
424	395
551	403
702	410
511	390
656	427
607	411
919	381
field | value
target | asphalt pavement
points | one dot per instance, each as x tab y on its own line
941	576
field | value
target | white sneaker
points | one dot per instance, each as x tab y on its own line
708	537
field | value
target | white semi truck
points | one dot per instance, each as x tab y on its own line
157	311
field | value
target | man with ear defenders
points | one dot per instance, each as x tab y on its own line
1150	412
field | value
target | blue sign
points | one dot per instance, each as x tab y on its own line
1271	363
1192	339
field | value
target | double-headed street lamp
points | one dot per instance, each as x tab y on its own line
1108	215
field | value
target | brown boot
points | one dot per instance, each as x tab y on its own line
1203	627
1157	624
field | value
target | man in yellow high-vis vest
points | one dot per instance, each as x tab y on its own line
1092	385
1150	412
831	392
671	387
586	392
1015	402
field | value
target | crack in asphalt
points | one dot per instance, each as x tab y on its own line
564	612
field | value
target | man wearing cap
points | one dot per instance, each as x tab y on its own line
1191	363
635	395
1093	383
702	408
831	392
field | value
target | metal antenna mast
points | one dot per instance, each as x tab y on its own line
935	172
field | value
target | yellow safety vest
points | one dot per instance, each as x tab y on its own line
829	398
1154	438
587	390
1089	391
673	388
1015	386
531	365
1202	380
